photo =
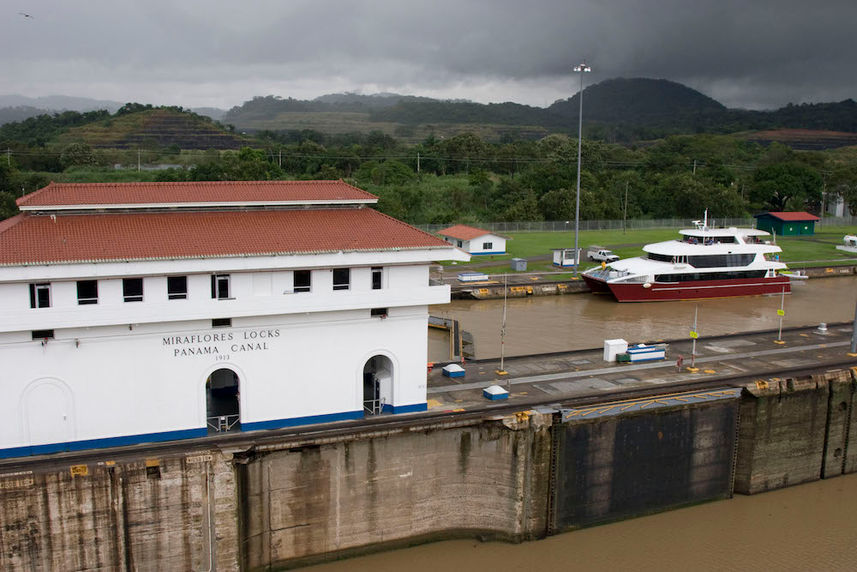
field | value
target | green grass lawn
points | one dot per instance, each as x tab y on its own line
798	251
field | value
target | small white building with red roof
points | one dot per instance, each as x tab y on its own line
141	312
475	241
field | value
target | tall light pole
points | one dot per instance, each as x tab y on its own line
582	68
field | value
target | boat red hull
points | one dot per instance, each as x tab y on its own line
692	290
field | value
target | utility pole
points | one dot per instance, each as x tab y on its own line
625	212
581	69
8	156
139	166
418	163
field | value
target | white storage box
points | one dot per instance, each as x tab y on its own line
612	348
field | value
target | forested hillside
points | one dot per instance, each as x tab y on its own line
618	110
425	175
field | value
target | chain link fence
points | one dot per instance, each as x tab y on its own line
666	223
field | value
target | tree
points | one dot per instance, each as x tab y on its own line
8	208
843	183
785	186
77	155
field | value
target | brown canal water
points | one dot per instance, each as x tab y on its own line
580	321
806	527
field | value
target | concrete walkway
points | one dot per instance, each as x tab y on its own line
571	374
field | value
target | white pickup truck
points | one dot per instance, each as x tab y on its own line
599	254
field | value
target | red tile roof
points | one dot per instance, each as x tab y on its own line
792	216
463	232
31	239
69	194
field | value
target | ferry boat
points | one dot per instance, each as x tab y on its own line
704	263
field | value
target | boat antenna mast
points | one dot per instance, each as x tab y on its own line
702	224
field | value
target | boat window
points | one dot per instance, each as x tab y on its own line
718	260
660	257
694	276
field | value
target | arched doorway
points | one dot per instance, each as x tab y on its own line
377	385
222	401
48	412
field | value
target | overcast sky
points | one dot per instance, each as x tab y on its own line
758	54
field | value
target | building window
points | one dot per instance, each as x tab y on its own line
176	287
458	243
487	245
377	274
303	280
40	295
220	286
378	313
43	335
341	278
132	289
87	292
221	322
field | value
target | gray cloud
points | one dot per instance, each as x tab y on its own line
759	54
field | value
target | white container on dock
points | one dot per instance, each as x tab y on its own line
643	352
494	393
612	348
453	370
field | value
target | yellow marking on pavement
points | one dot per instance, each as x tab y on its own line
709	371
434	403
459	410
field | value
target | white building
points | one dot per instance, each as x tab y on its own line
474	240
146	312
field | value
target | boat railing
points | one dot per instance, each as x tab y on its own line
610	274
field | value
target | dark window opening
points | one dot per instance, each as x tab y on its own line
43	334
341	278
378	312
377	274
132	289
221	322
40	295
487	245
153	472
220	286
87	292
303	280
177	287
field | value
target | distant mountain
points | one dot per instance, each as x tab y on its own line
19	113
378	100
637	101
155	128
60	103
615	109
213	112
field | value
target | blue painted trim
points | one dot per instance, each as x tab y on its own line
308	420
414	408
193	433
102	443
483	253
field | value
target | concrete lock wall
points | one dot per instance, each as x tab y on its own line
483	479
622	466
149	514
512	477
794	431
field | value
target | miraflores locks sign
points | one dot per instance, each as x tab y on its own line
220	344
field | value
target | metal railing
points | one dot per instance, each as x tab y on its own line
222	423
373	406
630	224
